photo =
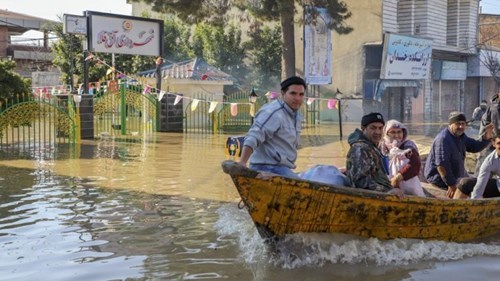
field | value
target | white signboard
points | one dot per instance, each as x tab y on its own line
75	24
406	57
452	70
318	50
119	34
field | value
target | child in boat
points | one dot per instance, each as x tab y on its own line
404	159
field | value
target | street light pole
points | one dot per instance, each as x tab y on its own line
77	99
252	98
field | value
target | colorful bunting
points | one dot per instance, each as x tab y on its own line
51	90
331	103
110	70
177	99
194	104
213	105
90	56
234	109
162	93
272	95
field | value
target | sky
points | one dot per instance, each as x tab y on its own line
51	9
488	6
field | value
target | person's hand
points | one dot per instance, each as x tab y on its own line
398	192
265	175
395	180
488	133
451	191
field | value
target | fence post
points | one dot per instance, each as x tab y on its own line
215	123
123	109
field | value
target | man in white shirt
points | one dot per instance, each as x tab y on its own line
487	183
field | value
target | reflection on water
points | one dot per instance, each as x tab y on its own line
163	210
67	229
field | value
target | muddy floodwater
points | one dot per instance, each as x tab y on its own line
162	209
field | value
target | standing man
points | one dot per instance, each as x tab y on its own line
478	114
479	111
271	143
446	161
366	167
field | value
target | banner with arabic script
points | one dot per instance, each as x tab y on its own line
111	33
406	57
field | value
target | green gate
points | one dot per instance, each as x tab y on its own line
241	122
36	122
121	109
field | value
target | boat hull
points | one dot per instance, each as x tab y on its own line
280	206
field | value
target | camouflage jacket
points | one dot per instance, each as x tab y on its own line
364	166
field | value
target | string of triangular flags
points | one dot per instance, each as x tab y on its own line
43	91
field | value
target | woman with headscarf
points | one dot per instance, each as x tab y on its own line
404	159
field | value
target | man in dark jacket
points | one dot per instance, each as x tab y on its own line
366	167
446	161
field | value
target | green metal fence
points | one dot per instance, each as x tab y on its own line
124	110
197	118
30	122
242	120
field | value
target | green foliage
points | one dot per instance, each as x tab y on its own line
282	11
264	50
221	47
176	47
11	83
189	11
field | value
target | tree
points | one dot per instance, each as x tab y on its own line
491	60
11	83
282	11
220	47
264	51
489	42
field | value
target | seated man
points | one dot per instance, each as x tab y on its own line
272	142
366	167
484	186
446	161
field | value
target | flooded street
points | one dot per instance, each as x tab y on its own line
164	210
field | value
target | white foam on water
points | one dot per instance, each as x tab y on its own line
316	249
237	222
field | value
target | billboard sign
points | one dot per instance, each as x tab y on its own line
73	24
405	57
452	70
111	33
318	49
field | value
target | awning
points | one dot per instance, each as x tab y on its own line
382	84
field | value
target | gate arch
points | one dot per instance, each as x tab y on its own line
126	111
31	123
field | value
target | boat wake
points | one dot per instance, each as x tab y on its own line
317	249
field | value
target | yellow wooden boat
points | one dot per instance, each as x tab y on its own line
280	206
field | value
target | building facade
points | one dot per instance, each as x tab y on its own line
452	27
30	56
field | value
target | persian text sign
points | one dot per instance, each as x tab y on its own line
406	57
119	34
452	70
